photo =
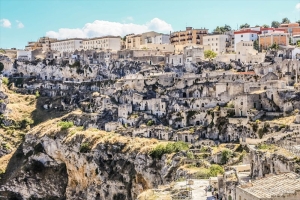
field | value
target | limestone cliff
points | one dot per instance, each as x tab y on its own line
53	163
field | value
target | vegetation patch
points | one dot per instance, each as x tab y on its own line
150	123
85	147
65	125
170	147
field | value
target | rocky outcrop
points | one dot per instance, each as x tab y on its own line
263	163
57	166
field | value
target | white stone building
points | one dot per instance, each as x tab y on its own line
157	39
103	43
247	35
174	59
24	55
217	43
68	45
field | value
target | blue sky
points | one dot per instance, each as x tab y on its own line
27	20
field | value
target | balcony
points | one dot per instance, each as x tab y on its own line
201	32
189	34
175	35
182	40
129	41
197	42
182	34
190	38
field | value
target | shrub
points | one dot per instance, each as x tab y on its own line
85	147
263	146
37	94
190	155
282	126
214	170
150	123
1	66
202	173
65	125
25	122
260	133
255	126
5	80
226	154
171	147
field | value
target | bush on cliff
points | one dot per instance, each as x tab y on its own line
170	147
5	81
65	125
85	147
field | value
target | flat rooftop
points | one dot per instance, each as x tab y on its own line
274	185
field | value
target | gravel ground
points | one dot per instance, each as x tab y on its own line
198	189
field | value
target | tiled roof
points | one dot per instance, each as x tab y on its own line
274	185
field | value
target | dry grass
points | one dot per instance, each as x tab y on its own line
222	147
283	120
151	195
4	161
94	136
20	106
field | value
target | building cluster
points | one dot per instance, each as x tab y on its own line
161	86
244	45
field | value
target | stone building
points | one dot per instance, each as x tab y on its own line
188	36
67	45
217	42
112	43
274	187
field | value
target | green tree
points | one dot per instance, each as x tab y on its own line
257	25
226	154
298	43
285	21
5	80
209	54
244	26
274	46
275	24
256	45
215	170
222	29
1	66
298	22
266	26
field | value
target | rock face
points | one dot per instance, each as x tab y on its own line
263	163
52	167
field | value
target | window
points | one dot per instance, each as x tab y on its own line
241	103
241	35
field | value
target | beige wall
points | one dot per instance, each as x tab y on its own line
103	43
133	41
216	42
188	36
161	47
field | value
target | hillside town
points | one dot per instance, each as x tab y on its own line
231	95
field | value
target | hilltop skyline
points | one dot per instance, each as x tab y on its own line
90	18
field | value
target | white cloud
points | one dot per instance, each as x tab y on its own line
101	28
298	6
20	24
5	23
